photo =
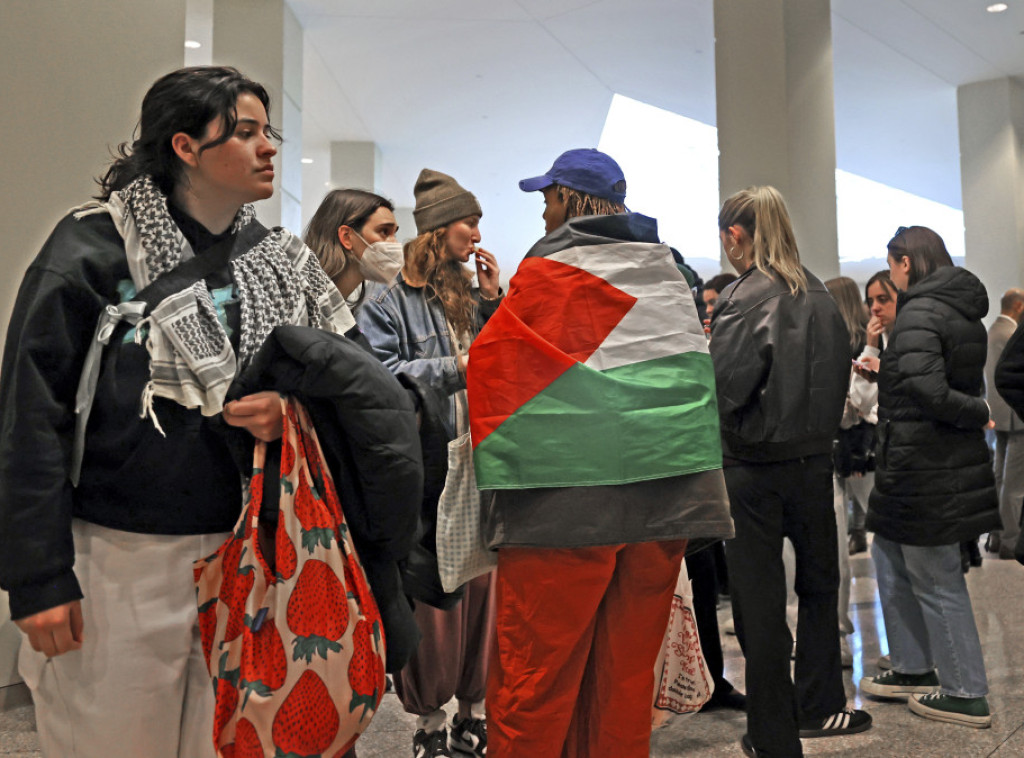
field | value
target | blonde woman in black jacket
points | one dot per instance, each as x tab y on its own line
782	366
934	485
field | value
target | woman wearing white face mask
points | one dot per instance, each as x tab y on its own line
353	235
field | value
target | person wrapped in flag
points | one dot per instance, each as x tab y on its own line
594	422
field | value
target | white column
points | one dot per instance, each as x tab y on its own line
776	115
72	76
992	174
263	40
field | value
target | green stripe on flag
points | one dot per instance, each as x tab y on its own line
646	420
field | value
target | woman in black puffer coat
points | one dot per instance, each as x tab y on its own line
934	485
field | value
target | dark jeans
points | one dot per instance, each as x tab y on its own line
770	501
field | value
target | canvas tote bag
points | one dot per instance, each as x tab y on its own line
294	643
682	683
461	552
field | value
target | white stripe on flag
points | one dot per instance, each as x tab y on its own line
663	321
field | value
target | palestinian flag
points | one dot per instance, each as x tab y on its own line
595	369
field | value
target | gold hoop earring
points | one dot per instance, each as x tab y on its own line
730	251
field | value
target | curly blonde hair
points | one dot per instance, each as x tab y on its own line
448	280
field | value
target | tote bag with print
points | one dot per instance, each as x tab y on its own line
294	643
682	683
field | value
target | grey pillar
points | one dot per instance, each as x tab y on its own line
776	115
263	39
992	174
355	165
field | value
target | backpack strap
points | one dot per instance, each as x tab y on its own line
199	267
182	276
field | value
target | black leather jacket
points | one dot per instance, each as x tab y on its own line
782	365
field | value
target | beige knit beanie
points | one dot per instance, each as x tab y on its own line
440	200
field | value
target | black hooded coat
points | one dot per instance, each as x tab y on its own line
933	482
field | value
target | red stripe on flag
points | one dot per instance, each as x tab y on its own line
554	316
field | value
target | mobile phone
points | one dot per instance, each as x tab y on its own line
872	374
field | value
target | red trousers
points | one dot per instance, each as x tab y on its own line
578	632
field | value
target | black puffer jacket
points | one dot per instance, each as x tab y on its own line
933	479
782	366
1010	372
366	424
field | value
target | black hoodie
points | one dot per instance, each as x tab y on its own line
934	483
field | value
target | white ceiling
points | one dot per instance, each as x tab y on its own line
491	92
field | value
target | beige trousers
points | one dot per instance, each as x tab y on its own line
138	688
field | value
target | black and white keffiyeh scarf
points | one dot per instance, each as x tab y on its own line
192	361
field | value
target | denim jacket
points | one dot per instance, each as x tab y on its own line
409	334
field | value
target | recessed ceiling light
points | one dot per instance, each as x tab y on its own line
307	160
192	44
997	7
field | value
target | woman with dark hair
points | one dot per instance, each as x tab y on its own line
709	295
110	486
934	485
782	365
880	298
353	236
421	325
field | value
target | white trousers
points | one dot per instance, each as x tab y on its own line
138	687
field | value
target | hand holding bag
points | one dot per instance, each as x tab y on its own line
295	646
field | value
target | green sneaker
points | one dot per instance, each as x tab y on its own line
967	711
897	686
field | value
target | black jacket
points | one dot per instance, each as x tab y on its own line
782	366
933	479
1010	372
366	423
133	478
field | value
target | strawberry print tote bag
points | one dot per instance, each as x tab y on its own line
292	635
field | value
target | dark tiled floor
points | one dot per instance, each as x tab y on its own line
997	591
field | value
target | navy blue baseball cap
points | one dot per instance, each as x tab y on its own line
587	170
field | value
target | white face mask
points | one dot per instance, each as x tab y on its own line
381	261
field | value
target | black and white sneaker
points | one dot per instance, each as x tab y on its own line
469	735
430	744
847	721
